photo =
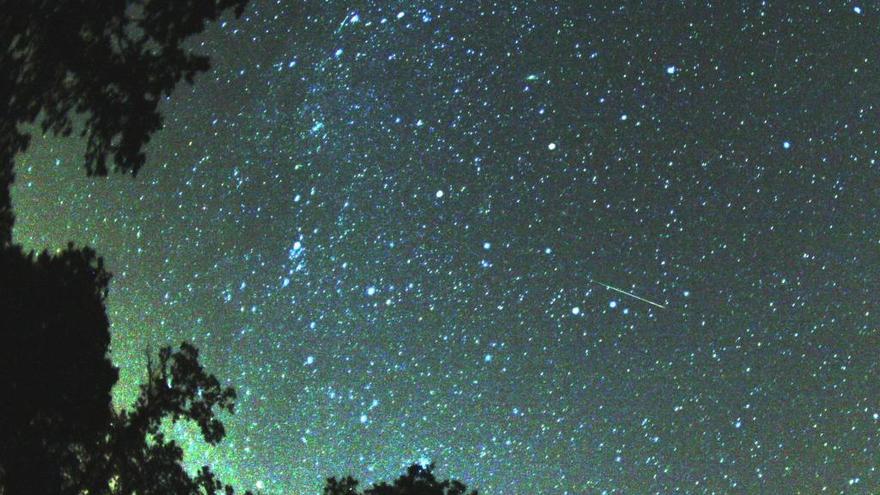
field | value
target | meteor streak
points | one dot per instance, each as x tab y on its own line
630	294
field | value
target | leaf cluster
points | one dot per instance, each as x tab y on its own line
104	64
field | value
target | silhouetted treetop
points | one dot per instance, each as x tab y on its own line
418	480
99	67
59	433
137	457
109	61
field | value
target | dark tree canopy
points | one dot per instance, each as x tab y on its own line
418	480
59	433
55	377
99	67
109	62
137	457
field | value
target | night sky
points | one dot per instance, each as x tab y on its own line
386	225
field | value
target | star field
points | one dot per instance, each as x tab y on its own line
385	223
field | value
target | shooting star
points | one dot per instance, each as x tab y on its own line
630	294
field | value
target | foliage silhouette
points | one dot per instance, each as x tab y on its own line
55	378
137	457
107	61
103	65
58	431
418	480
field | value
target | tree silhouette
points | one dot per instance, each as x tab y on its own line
137	457
100	67
58	431
109	62
418	480
55	378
